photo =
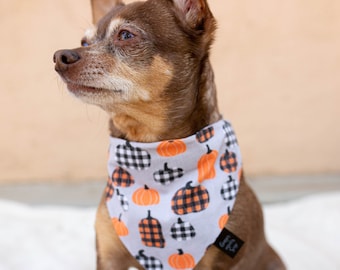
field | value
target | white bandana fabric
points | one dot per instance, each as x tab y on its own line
169	200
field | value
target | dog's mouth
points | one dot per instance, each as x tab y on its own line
78	89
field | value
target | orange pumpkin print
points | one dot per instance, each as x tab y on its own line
181	260
228	162
109	189
224	219
190	199
122	178
205	135
145	196
206	165
171	148
150	231
119	226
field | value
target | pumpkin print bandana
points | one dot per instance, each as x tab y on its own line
169	200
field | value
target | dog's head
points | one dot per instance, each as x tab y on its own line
146	64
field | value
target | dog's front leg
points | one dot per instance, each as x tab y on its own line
111	253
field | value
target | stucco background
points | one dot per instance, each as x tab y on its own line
277	66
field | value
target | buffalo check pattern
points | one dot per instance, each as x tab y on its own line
182	230
229	189
124	202
230	138
109	190
178	205
205	134
167	176
132	157
228	162
122	178
151	232
149	263
190	200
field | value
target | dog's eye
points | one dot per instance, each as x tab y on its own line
84	43
125	35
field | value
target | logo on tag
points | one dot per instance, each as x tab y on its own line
228	242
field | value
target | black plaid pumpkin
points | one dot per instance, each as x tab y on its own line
132	157
228	162
230	137
150	231
149	263
229	189
167	175
124	202
190	199
122	178
205	135
182	230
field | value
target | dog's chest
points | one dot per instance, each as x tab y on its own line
169	200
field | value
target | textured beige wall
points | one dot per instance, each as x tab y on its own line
277	67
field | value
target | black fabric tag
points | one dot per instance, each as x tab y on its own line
228	242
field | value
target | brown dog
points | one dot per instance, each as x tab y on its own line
147	65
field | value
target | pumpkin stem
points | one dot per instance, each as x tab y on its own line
146	187
166	168
180	251
117	192
120	217
188	185
149	214
141	253
209	150
128	144
180	221
229	210
230	179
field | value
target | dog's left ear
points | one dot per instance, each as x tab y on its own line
194	12
101	7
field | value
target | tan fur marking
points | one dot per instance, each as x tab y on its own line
90	32
157	77
137	121
114	25
146	84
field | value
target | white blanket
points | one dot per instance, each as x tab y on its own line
305	232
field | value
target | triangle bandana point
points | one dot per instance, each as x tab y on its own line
160	194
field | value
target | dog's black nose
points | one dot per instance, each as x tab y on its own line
64	58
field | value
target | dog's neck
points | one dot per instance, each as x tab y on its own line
184	117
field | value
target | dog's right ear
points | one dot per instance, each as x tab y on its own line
195	13
101	7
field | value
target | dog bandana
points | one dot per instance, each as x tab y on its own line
169	200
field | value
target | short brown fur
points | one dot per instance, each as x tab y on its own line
147	65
